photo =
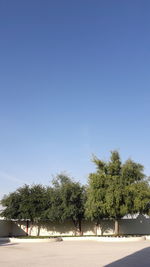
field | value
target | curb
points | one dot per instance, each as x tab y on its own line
106	239
58	239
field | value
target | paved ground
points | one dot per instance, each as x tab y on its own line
76	254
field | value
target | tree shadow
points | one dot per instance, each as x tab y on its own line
4	244
138	226
58	228
137	259
89	228
53	228
68	228
18	229
61	228
5	241
106	227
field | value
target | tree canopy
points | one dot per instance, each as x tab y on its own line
62	201
72	200
26	203
114	190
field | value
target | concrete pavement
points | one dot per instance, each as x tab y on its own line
75	254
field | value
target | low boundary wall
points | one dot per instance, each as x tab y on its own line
138	226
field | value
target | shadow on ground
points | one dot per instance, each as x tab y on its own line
7	244
137	259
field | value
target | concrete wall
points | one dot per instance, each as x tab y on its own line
48	228
53	229
18	228
140	225
5	228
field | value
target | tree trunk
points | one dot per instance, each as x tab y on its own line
96	226
77	225
116	227
27	227
80	230
39	228
31	227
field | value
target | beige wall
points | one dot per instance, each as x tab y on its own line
18	228
48	228
141	225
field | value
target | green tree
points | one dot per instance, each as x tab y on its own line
95	207
71	197
26	203
10	205
116	190
53	211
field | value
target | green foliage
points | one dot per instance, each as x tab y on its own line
96	204
72	199
64	200
53	210
27	202
116	189
11	205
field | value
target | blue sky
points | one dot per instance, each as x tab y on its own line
74	81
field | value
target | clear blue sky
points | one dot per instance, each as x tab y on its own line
74	80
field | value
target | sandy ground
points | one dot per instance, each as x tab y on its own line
75	254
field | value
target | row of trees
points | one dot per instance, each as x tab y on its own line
114	190
64	200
